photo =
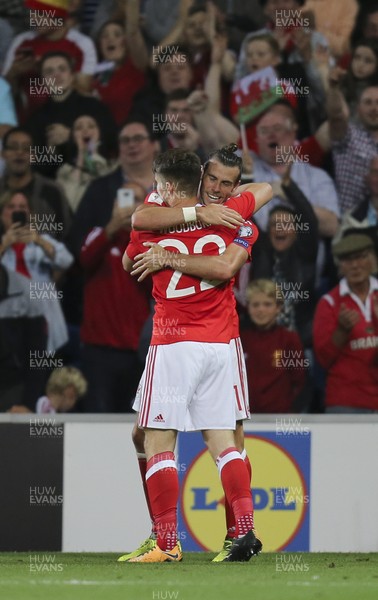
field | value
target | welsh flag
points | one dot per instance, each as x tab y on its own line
254	93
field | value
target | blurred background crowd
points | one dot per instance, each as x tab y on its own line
90	92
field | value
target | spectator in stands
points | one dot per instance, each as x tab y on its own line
22	331
195	29
115	306
64	387
286	254
137	149
276	140
53	34
294	29
124	56
6	37
172	72
8	118
354	145
238	18
85	161
362	72
191	123
51	124
365	215
366	24
275	362
261	50
47	201
178	125
38	257
346	330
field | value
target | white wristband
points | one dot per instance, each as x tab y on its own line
190	214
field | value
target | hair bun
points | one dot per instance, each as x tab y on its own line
230	149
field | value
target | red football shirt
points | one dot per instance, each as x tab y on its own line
188	308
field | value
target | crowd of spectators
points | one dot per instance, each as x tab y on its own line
90	92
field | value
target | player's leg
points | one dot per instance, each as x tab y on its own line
230	517
236	484
162	413
138	441
241	412
149	543
163	491
213	412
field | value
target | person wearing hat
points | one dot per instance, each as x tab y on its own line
346	330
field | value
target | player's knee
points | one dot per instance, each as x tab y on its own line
138	438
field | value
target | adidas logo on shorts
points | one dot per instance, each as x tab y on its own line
159	419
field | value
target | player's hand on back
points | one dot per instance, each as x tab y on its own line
218	214
154	259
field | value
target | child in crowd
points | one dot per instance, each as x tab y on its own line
274	356
261	50
63	389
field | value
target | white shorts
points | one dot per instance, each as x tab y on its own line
187	386
240	380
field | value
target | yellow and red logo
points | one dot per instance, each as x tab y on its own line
279	492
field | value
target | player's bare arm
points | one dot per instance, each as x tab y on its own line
221	268
151	218
262	192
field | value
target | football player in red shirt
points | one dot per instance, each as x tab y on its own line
218	328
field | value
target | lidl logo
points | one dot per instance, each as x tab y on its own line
280	490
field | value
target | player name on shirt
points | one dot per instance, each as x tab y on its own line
185	227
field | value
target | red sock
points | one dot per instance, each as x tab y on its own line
163	491
142	463
230	517
235	481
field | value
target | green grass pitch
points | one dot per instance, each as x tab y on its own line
270	576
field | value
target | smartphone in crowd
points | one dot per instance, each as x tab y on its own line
19	216
125	198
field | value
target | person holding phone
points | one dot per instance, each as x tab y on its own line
115	309
36	256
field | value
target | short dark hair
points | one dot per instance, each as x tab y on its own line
14	130
372	84
269	39
142	120
180	94
227	157
59	53
281	208
180	167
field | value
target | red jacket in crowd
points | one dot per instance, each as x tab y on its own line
352	378
115	304
276	368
